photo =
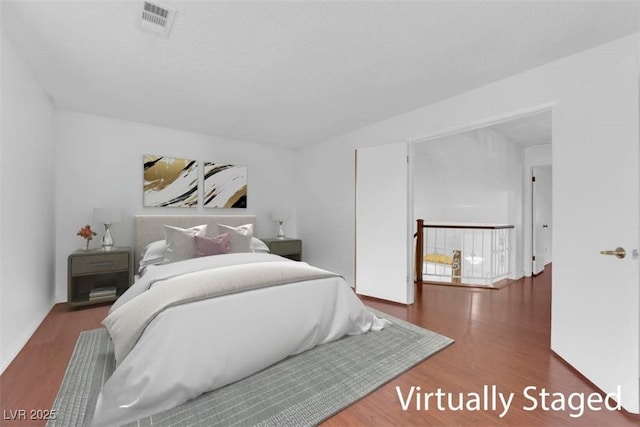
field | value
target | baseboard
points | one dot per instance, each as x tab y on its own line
23	339
516	276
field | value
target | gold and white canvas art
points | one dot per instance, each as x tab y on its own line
225	186
170	182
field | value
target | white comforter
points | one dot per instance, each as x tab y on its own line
200	346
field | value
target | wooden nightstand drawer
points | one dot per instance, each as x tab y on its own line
97	263
286	247
98	276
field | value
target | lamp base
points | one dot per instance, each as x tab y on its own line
107	240
280	231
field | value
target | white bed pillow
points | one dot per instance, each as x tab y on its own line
180	242
240	237
152	254
259	246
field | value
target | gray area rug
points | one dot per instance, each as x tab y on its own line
302	390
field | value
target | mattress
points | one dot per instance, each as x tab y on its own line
200	346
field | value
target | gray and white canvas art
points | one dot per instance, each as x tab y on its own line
225	186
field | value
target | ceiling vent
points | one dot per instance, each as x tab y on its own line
157	19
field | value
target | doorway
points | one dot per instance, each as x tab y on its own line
541	224
483	175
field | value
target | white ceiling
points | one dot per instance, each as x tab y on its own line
534	129
293	73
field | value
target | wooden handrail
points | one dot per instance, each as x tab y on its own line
419	249
419	236
469	226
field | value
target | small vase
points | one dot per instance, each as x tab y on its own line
87	245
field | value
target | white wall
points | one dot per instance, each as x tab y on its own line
326	170
537	155
475	176
99	164
27	229
325	179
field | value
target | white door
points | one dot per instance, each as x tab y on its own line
382	223
541	203
596	174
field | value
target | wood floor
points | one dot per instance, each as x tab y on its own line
502	339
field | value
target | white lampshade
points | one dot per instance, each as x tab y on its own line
106	215
279	214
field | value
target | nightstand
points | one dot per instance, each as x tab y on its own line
286	247
97	268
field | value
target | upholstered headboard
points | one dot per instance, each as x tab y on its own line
149	228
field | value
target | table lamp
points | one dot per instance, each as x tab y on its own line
107	216
279	215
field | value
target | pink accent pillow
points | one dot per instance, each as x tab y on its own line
206	246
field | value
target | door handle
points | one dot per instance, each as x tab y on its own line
545	226
618	252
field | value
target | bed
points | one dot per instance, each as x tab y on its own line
197	324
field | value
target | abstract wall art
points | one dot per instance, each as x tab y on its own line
225	186
170	182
